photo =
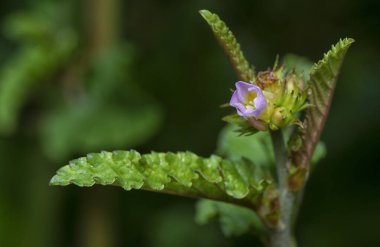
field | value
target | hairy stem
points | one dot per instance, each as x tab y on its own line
282	236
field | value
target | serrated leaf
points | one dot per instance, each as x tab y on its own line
234	220
257	149
182	173
322	83
230	45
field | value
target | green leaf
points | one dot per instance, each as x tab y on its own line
234	220
186	232
301	65
40	23
319	153
230	45
111	77
84	128
30	66
323	77
39	59
182	173
111	112
257	148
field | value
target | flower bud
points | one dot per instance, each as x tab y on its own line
278	118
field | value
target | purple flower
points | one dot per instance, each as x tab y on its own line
248	99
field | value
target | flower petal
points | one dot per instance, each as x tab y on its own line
242	89
260	104
239	100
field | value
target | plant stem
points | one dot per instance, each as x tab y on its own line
102	17
102	27
282	236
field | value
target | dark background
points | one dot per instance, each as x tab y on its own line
176	69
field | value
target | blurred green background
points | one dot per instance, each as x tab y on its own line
84	76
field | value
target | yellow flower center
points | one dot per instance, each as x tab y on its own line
248	104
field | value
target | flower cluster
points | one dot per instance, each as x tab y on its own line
271	102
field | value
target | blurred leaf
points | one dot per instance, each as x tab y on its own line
230	45
257	148
83	128
234	220
186	232
181	173
110	77
33	63
25	27
41	24
111	113
302	65
319	153
322	83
